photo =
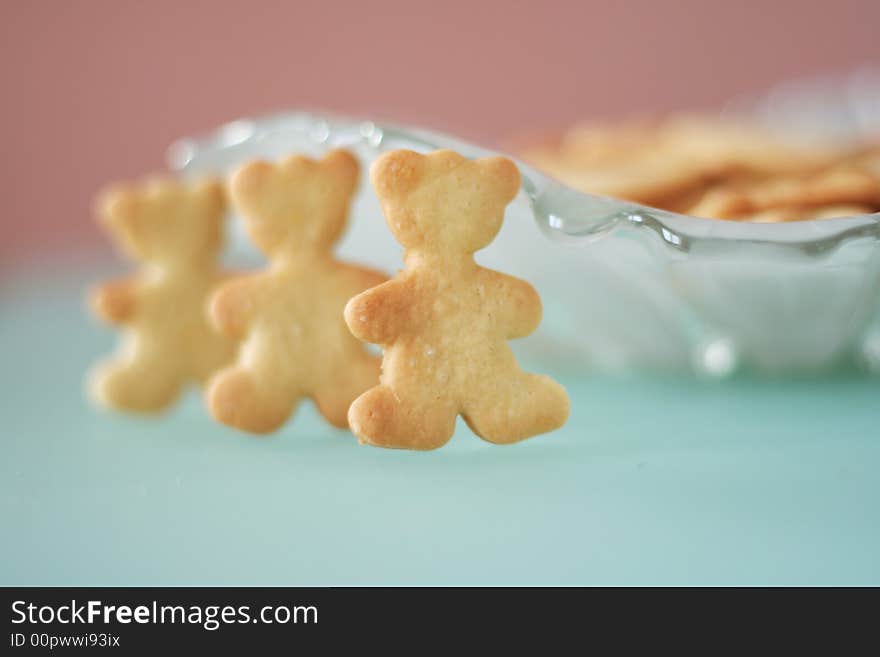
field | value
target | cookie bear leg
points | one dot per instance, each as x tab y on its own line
335	397
142	385
382	418
523	405
235	398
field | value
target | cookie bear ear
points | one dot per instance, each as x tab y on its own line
160	186
116	205
504	175
343	166
250	179
396	173
444	160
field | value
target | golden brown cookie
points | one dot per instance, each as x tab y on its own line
782	215
869	159
844	185
174	230
444	321
670	162
630	160
288	317
740	149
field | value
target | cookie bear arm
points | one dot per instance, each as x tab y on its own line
115	302
518	306
230	307
375	315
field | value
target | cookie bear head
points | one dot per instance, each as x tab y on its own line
443	201
298	204
164	221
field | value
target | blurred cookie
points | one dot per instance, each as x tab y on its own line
782	215
288	317
734	148
174	230
631	161
843	185
696	164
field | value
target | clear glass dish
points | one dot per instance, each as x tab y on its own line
625	287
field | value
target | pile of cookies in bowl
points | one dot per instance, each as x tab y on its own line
713	168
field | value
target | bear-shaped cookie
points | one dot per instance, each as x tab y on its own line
444	321
289	316
175	230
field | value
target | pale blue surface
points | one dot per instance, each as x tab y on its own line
652	482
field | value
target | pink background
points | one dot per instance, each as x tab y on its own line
94	91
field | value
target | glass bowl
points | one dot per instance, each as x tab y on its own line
625	287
